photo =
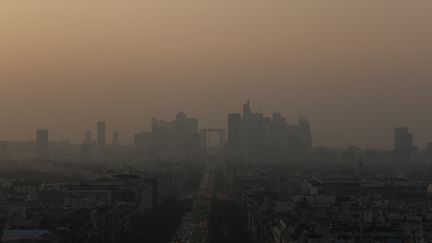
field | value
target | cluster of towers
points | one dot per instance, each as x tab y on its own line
254	135
101	141
249	134
42	141
179	137
101	136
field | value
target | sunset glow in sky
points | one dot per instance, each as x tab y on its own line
356	69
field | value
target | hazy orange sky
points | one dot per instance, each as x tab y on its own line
355	68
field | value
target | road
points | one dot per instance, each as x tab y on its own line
194	227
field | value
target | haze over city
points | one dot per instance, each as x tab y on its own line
224	121
356	69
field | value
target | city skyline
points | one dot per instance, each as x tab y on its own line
103	129
243	121
357	69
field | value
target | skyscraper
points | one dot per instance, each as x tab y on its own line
403	145
180	121
101	134
403	140
234	124
178	137
278	134
192	125
305	132
247	111
260	137
253	132
42	143
162	133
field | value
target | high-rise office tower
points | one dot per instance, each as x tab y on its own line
87	137
403	140
192	125
255	135
253	131
176	137
234	124
403	145
42	143
185	137
162	133
278	140
180	121
305	132
116	138
247	111
101	134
